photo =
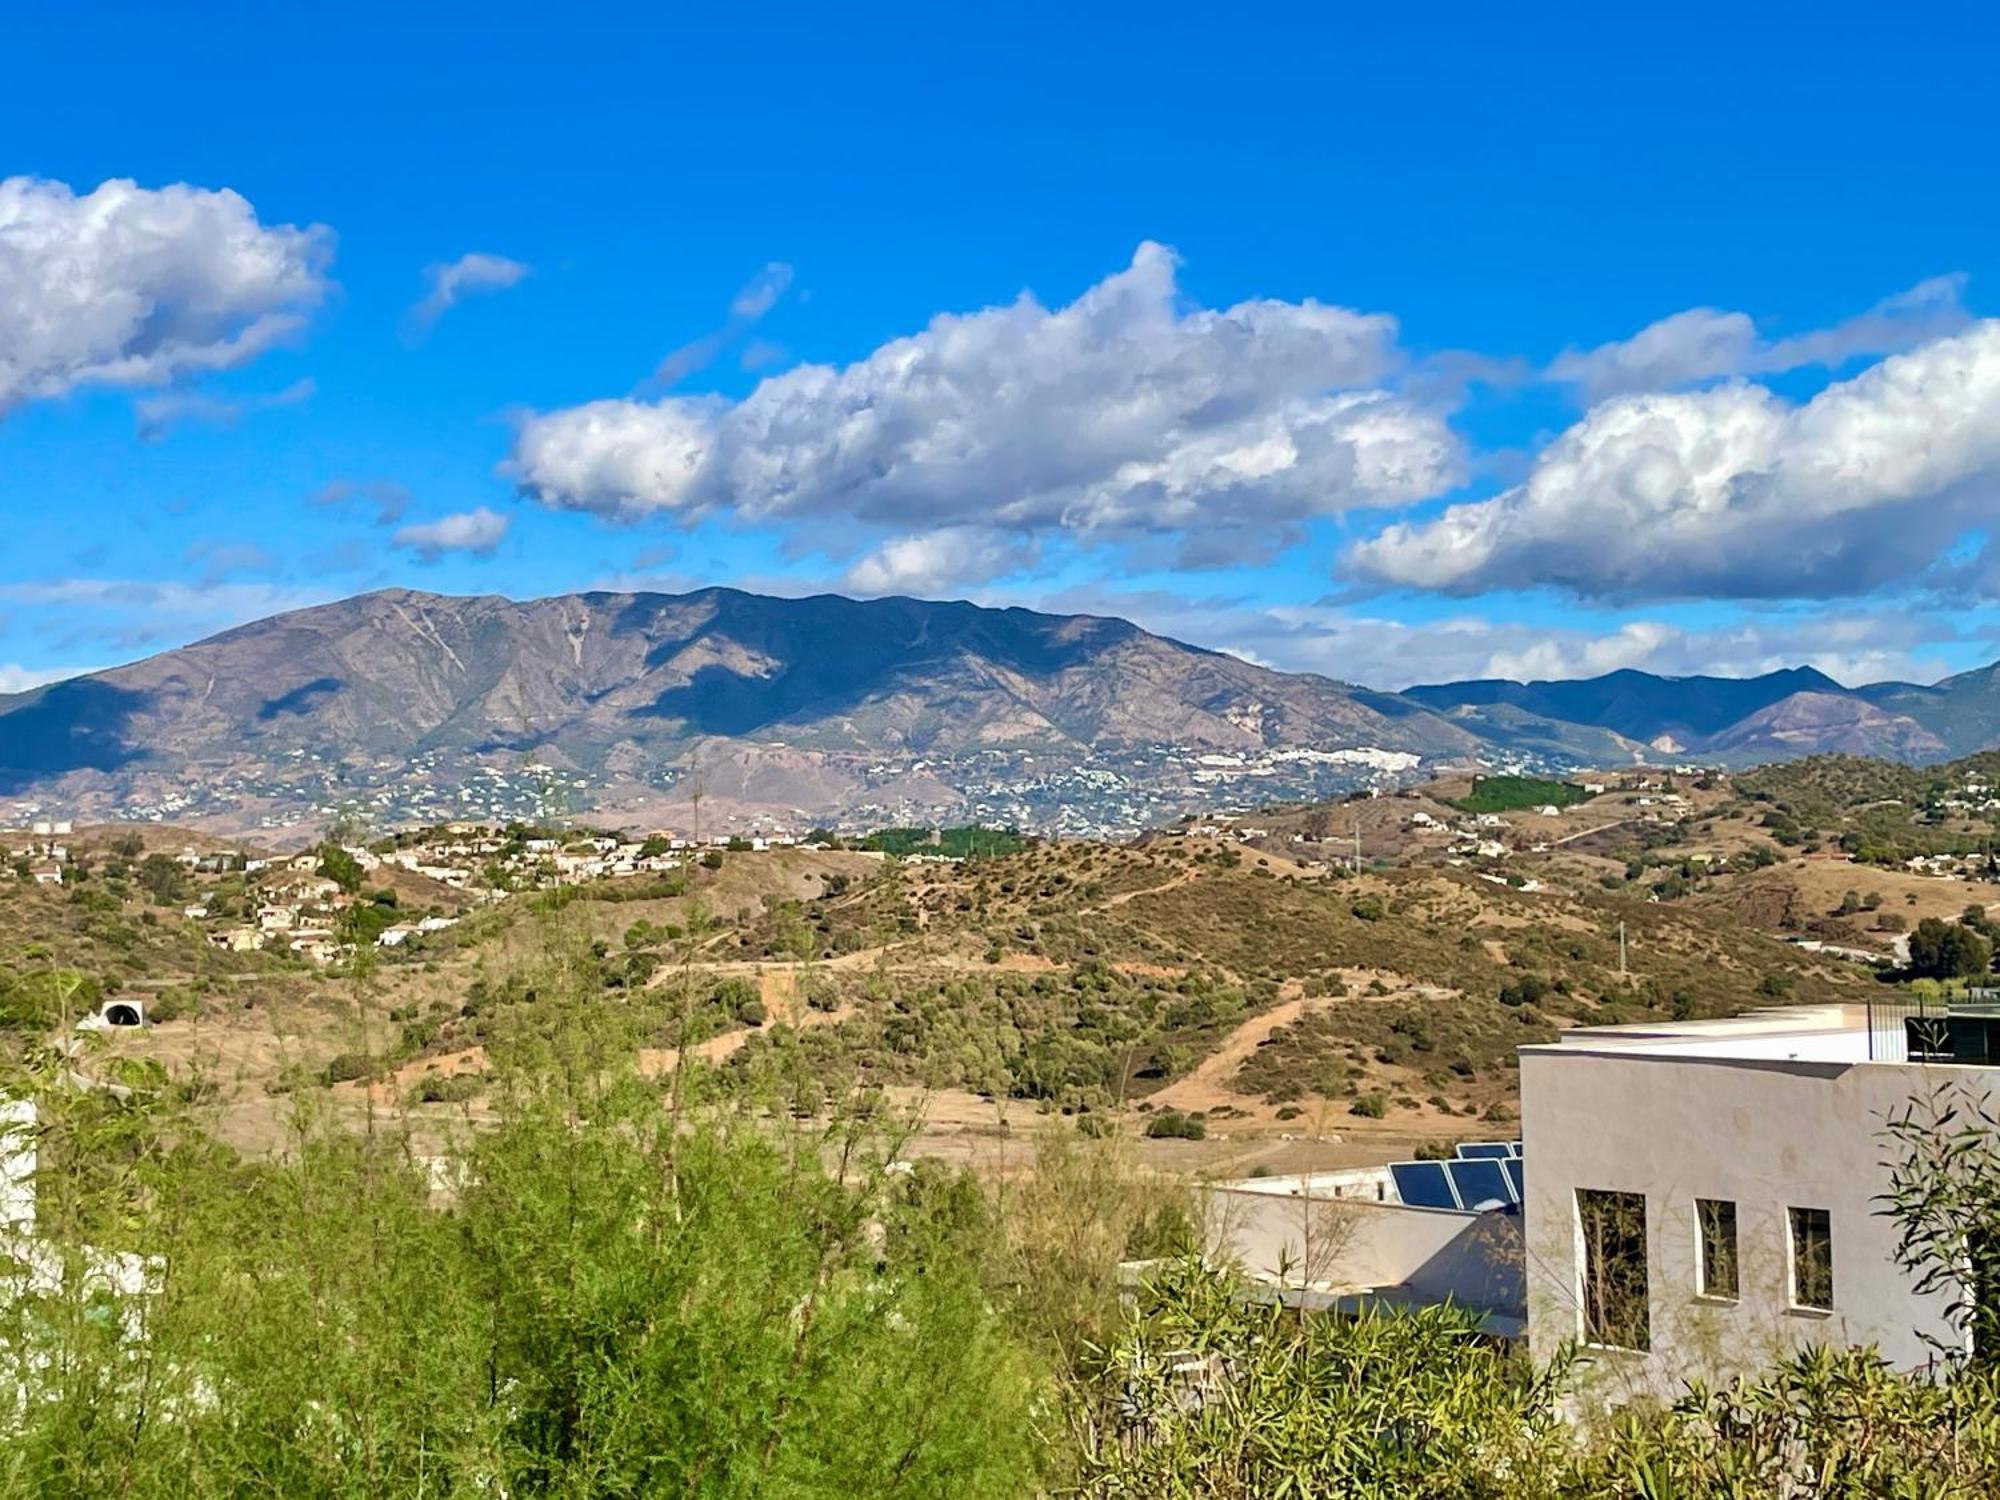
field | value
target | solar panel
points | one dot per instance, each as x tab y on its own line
1516	1170
1423	1184
1480	1184
1477	1150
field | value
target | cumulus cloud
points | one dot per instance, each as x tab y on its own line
474	531
1705	343
1734	492
451	282
159	415
933	562
137	287
1122	414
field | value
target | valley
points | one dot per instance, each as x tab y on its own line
1233	994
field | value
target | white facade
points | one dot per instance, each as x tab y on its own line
1346	1239
1770	1112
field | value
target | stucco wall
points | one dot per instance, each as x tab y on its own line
1766	1135
1473	1259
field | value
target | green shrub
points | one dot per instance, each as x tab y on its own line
1173	1125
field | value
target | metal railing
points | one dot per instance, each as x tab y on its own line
1905	1027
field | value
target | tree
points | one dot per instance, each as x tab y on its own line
162	878
337	865
1948	950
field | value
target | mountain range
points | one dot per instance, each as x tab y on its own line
399	704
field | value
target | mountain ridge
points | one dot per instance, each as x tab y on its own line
823	705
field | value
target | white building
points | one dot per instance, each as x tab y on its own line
1348	1239
1701	1197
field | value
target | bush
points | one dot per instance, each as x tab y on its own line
445	1088
346	1067
1173	1125
1369	1106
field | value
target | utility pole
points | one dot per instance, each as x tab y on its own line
1621	948
1357	843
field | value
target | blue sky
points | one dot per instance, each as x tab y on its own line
1398	348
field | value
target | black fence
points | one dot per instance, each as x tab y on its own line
1964	1028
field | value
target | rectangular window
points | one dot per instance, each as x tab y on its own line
1615	1298
1715	1247
1812	1258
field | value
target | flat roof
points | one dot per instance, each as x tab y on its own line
1798	1033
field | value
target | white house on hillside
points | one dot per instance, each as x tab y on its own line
1703	1196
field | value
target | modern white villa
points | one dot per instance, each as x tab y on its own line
1407	1234
1703	1196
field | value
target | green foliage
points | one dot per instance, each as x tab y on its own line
1944	1194
364	922
1171	1124
39	999
614	1299
162	878
1948	950
967	842
1238	1400
1232	1399
337	865
1499	794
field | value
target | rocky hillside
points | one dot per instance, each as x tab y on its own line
401	705
823	706
1736	721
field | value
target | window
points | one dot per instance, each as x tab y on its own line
1983	1251
1615	1307
1715	1248
1812	1258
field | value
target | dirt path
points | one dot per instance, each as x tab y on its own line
1208	1085
1186	877
779	991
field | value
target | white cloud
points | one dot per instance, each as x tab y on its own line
1705	343
451	282
1122	414
127	614
475	531
1379	652
932	562
1733	492
159	415
132	286
753	300
15	678
761	292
